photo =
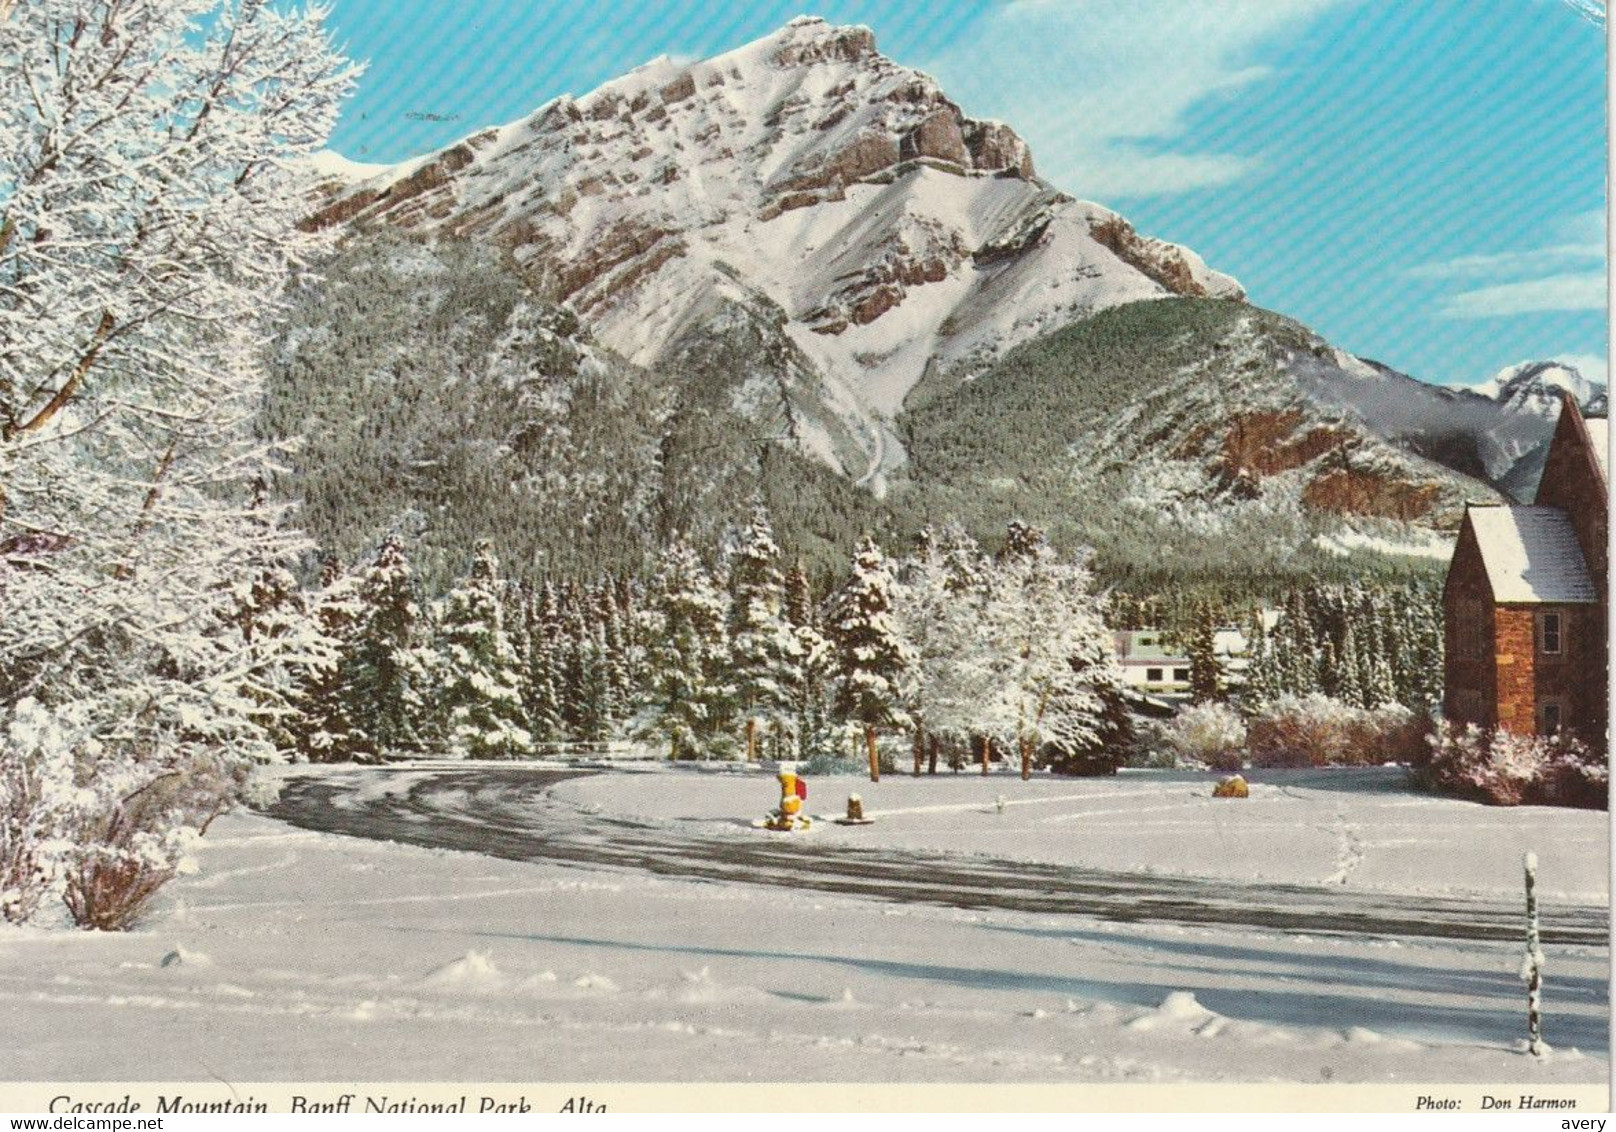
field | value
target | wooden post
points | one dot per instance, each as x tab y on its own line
931	767
751	739
1026	757
875	759
1532	966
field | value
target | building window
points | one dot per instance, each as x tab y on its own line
1181	675
1153	676
1550	634
1549	717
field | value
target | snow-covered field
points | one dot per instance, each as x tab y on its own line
296	955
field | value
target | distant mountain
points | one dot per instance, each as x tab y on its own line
833	202
1536	386
1529	394
803	267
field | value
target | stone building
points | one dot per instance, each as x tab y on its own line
1526	598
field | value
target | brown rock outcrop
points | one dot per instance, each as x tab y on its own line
1353	491
994	147
939	136
845	45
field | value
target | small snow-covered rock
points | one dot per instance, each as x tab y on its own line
1179	1006
181	956
472	971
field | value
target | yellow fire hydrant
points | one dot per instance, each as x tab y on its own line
793	793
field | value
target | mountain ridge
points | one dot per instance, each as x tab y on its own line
803	172
804	247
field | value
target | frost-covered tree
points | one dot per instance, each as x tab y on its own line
1055	680
690	703
380	673
323	728
1207	679
810	708
936	605
870	653
541	694
478	687
150	187
763	646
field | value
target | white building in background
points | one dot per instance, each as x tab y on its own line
1153	663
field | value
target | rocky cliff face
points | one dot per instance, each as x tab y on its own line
886	235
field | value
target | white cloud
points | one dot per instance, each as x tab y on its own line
1573	291
1595	367
1581	243
1532	262
1101	88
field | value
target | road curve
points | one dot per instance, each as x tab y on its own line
507	812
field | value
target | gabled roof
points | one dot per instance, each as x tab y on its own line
1599	438
1531	555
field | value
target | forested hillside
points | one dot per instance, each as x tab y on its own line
438	398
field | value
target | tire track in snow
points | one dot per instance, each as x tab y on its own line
506	812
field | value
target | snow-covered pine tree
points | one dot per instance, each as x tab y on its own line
870	654
151	184
690	703
323	728
614	642
763	648
1206	670
380	667
598	701
1262	677
541	695
1348	684
479	690
810	710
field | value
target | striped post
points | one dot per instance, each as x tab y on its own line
1532	966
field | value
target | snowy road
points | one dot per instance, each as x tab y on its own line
507	812
631	925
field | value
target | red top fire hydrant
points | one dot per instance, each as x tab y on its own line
793	793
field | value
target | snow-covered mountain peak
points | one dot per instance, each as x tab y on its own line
1536	386
867	225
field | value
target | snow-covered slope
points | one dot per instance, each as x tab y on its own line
1536	386
1528	398
833	201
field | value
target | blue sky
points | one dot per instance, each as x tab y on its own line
1421	181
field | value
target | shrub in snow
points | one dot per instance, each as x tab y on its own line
824	763
101	824
1577	776
40	803
1210	735
1316	730
136	840
1507	769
